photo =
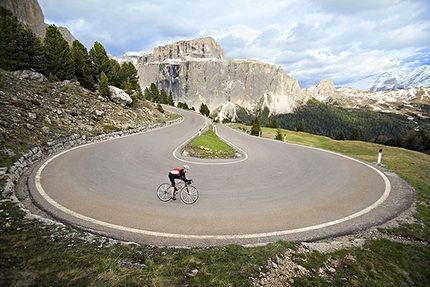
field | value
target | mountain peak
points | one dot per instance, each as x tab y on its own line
395	80
196	48
323	90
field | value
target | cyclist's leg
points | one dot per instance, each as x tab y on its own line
172	181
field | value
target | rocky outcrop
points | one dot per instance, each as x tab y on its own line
30	75
197	72
29	13
200	48
119	96
67	35
411	101
324	91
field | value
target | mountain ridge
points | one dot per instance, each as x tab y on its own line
394	80
408	96
196	72
30	13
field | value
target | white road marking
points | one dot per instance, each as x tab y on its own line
225	237
210	163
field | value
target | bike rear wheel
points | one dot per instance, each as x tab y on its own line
163	192
189	194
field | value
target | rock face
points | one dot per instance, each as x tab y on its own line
29	13
119	96
325	91
200	48
30	75
196	72
411	101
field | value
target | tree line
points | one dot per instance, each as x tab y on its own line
21	49
153	94
357	124
346	124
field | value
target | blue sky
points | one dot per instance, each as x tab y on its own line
338	40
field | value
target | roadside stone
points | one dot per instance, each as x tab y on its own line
193	273
3	171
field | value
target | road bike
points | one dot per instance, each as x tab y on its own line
188	193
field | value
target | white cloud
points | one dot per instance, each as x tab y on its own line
312	40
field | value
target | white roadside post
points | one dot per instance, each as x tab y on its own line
285	138
380	156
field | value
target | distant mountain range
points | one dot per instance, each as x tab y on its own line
398	80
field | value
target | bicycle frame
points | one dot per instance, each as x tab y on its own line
188	193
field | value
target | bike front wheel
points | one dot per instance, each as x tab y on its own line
163	192
189	194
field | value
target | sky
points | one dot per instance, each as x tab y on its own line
338	40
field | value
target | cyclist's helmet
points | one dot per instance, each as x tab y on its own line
186	166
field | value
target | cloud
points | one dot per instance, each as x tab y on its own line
312	40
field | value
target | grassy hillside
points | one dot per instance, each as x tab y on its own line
34	113
413	166
42	253
327	120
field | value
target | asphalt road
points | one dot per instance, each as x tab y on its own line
274	191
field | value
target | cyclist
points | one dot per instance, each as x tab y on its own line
178	173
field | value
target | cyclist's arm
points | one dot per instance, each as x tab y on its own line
183	177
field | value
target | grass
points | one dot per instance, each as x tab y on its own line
412	166
36	254
208	145
378	263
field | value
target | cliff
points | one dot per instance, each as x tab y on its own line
29	13
196	72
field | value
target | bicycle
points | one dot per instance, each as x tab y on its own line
188	193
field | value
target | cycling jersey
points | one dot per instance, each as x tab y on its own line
177	173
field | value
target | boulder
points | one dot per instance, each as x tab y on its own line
119	96
30	75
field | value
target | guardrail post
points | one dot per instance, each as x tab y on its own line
380	156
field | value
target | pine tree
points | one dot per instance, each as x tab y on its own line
170	101
255	128
183	106
83	69
204	110
104	85
58	58
147	94
127	87
154	93
114	74
278	134
300	127
100	60
340	136
128	72
160	108
163	97
355	135
273	124
20	48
